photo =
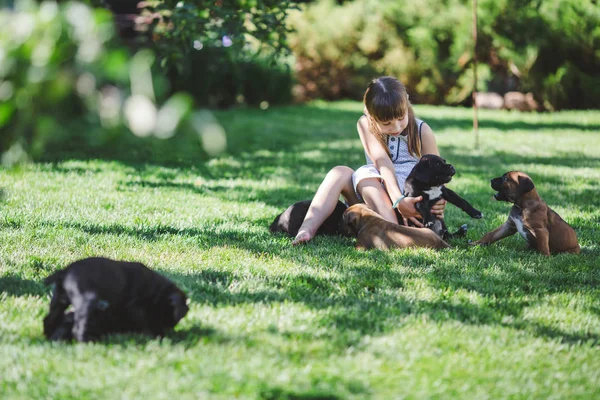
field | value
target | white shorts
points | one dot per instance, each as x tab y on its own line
370	171
365	172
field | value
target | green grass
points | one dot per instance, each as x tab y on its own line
321	321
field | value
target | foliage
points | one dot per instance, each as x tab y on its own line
547	47
332	54
321	321
219	77
218	46
217	23
426	45
65	84
46	53
566	72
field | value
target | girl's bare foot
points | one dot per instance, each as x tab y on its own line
303	236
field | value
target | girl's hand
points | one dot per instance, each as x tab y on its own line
438	209
409	212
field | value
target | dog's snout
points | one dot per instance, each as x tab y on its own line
348	223
496	183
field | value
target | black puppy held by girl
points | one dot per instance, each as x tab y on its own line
428	179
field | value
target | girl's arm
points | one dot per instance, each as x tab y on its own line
429	146
384	165
380	157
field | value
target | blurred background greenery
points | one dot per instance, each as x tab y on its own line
96	75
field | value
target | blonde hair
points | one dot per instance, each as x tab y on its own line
386	99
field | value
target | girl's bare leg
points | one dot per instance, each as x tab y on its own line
337	181
376	197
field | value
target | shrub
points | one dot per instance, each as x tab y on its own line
546	47
219	77
49	67
340	47
64	85
224	52
332	58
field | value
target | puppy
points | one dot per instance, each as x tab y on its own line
291	219
373	231
543	229
110	296
427	179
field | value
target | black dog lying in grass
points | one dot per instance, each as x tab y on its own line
291	219
111	296
427	179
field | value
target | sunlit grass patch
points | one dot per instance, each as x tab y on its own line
324	320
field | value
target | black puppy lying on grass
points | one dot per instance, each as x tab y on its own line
111	296
291	219
427	179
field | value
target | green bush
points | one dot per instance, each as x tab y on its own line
226	52
547	47
49	73
566	73
340	47
220	77
66	86
330	57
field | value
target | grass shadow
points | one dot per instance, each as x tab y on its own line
504	124
248	131
188	337
356	293
13	285
500	161
373	301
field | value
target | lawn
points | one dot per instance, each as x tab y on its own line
321	321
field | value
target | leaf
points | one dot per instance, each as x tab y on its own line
6	112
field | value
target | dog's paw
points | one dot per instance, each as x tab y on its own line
477	215
478	243
461	232
429	224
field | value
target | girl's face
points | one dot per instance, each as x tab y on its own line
394	127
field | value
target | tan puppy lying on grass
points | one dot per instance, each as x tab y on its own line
373	231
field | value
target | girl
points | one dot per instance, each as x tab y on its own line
393	140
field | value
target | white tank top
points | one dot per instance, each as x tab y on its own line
403	160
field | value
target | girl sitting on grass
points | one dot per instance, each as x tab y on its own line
393	140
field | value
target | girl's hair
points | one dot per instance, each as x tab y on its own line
386	99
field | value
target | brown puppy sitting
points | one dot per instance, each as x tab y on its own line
373	231
543	228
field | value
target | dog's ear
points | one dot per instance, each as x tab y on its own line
421	171
179	304
350	218
349	222
525	184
